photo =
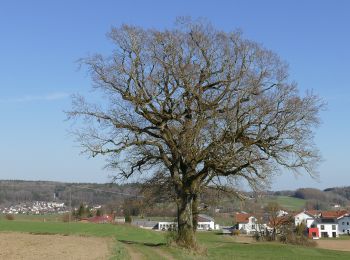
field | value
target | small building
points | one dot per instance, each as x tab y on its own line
146	224
206	223
246	223
344	224
167	225
313	233
306	217
330	220
119	219
327	227
321	223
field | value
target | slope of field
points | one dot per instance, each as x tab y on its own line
135	243
288	203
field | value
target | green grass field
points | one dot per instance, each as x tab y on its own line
152	244
40	218
288	203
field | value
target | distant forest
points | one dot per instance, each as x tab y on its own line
129	196
17	191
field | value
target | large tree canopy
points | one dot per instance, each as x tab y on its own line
196	106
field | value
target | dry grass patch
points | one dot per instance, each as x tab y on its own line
30	247
341	245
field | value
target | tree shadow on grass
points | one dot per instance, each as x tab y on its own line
142	243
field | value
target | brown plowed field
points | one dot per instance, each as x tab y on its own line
342	245
27	246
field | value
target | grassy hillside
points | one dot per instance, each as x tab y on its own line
288	203
152	245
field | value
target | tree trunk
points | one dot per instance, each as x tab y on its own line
186	231
195	212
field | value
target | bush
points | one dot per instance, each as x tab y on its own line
128	219
99	212
10	217
171	237
66	217
235	232
294	239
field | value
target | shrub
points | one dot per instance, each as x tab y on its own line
235	232
10	217
66	217
171	237
128	219
299	240
99	212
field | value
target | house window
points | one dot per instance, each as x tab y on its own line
324	234
333	227
347	223
253	226
343	223
343	230
322	227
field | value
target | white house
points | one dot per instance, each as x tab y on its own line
204	223
344	224
281	213
325	221
306	217
166	225
338	220
327	228
246	223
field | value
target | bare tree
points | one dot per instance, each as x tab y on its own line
201	106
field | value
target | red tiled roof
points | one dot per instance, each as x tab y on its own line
333	214
204	218
242	217
100	219
313	212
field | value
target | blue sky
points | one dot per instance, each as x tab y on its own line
40	42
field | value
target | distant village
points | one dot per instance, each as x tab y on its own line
331	220
35	208
317	223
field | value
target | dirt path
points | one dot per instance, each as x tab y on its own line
163	254
133	253
16	246
342	245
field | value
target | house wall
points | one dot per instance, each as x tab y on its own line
326	229
201	225
303	217
310	222
206	225
250	227
165	225
314	232
344	225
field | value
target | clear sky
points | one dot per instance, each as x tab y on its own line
40	42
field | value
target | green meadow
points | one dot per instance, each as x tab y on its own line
288	203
